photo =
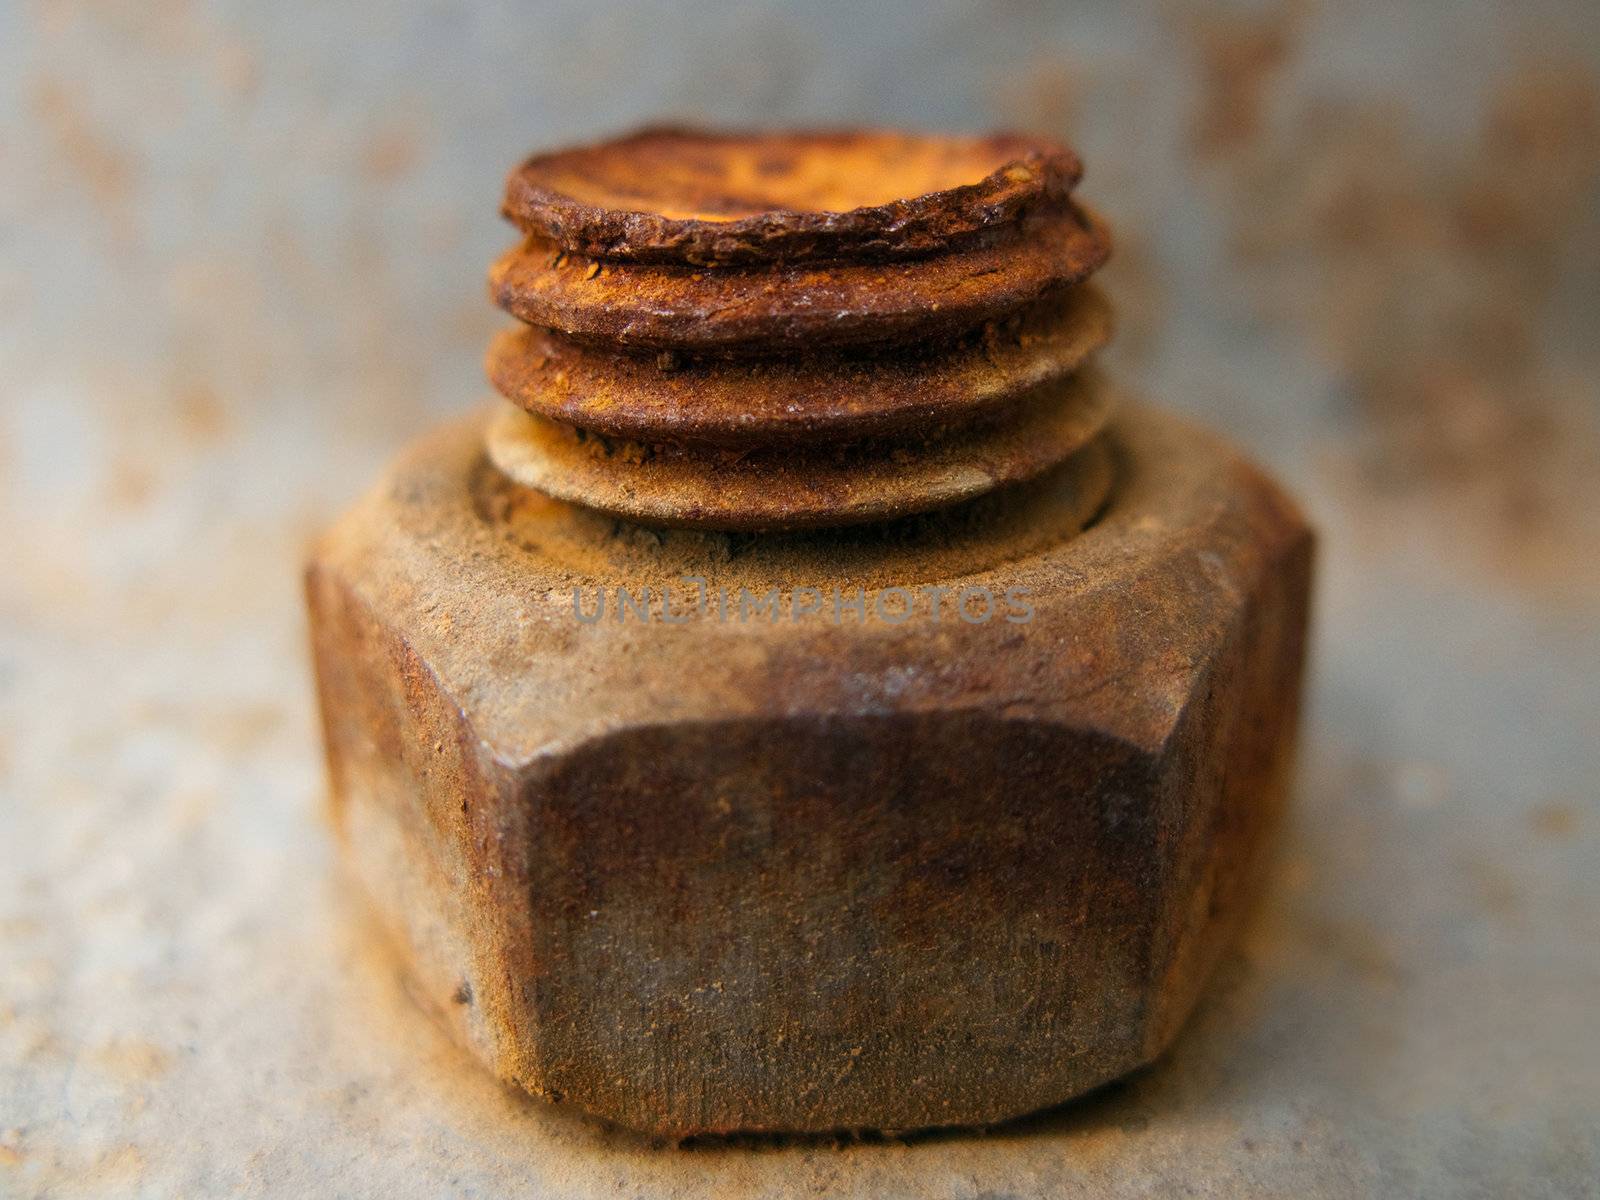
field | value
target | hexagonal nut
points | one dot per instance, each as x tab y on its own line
708	874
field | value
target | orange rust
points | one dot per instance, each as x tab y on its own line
698	871
801	307
773	389
814	399
785	488
693	196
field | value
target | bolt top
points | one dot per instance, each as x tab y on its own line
668	194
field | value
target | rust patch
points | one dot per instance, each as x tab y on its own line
1437	279
100	165
1555	820
798	308
819	398
392	154
771	389
1240	56
796	489
683	195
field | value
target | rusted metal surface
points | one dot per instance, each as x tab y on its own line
810	400
770	488
692	196
698	872
819	436
739	311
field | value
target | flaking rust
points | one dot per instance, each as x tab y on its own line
810	704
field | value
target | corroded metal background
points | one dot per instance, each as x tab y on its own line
241	250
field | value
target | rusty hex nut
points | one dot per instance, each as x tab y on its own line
812	701
850	867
